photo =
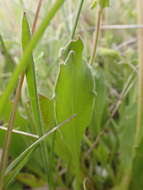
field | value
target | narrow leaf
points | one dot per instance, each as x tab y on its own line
32	89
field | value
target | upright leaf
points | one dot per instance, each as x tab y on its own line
137	169
74	95
32	89
31	77
101	102
126	135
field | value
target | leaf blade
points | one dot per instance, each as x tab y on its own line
74	95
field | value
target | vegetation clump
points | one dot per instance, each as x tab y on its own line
74	121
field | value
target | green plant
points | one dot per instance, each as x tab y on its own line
96	107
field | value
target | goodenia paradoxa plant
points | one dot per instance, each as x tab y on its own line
74	95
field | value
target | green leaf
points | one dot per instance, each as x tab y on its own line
137	169
15	185
101	102
47	111
126	135
32	89
15	171
30	179
74	95
133	174
102	3
31	78
94	4
48	115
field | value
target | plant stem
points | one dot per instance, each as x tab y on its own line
96	35
77	18
20	132
7	140
37	16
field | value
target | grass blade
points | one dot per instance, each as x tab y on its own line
32	89
77	19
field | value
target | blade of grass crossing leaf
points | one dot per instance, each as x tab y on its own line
32	89
10	178
32	44
21	160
